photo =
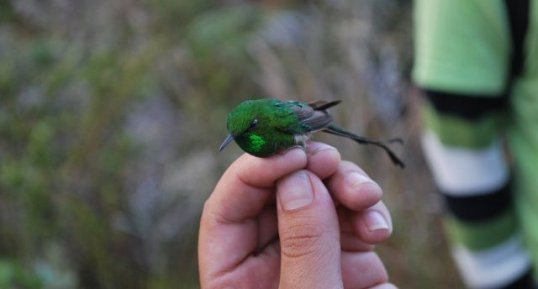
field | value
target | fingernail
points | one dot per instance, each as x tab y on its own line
375	221
295	192
355	180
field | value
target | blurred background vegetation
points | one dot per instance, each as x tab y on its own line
111	112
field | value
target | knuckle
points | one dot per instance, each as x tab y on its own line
299	241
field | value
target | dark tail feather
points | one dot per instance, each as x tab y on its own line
362	140
323	105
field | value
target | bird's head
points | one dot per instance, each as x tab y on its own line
242	120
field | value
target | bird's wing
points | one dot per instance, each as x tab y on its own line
310	118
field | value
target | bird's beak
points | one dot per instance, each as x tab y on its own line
226	142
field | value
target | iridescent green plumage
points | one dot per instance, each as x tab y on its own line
266	126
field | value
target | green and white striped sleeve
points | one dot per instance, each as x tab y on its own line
462	51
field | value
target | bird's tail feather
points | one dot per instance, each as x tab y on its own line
331	129
323	105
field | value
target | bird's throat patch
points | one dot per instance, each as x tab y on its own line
256	142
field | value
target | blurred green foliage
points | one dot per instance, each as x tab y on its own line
111	112
13	274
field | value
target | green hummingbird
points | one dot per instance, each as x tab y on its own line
264	127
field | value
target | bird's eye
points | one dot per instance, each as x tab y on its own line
254	123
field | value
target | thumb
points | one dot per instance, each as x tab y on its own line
309	234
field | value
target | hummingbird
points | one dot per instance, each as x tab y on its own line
264	127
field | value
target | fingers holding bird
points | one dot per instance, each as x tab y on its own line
245	192
364	219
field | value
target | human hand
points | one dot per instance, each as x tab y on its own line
300	239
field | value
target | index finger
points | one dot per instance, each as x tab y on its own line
244	188
228	229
